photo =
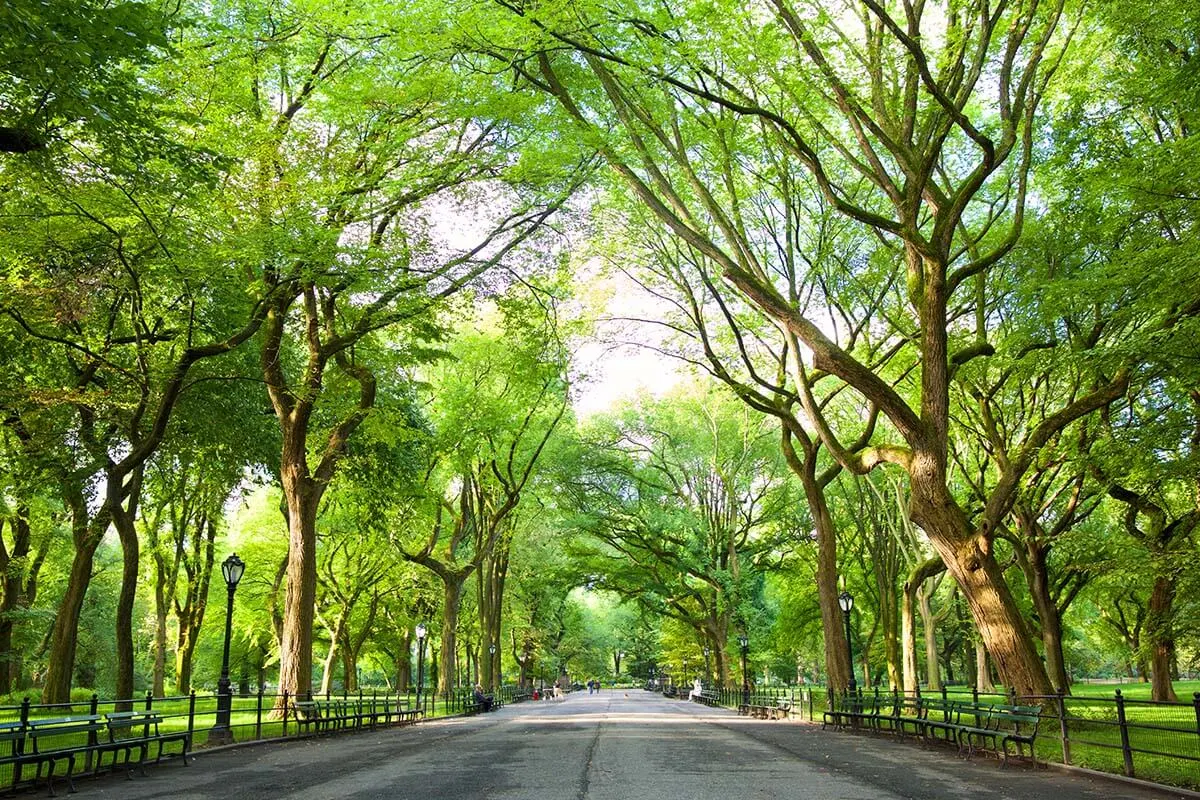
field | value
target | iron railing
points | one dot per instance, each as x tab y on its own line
254	717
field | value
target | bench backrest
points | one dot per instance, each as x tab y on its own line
72	731
932	705
1021	718
126	721
307	709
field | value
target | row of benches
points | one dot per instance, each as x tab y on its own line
767	708
52	742
331	715
758	707
969	725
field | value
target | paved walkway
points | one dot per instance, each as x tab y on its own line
609	746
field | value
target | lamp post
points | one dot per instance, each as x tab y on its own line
846	603
685	669
232	569
420	662
491	681
707	664
744	641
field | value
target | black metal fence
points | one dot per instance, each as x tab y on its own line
254	717
1152	740
1155	741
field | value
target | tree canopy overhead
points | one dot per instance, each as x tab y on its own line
308	280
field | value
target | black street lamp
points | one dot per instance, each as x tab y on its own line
491	681
232	569
846	603
420	663
707	664
744	641
685	670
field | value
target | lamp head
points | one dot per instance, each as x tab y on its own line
420	630
845	601
232	569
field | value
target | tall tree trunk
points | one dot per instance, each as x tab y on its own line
933	673
18	580
837	665
452	586
490	582
1033	561
913	597
404	674
971	562
335	640
908	641
891	647
159	680
123	519
983	673
198	564
303	499
64	634
349	667
1161	642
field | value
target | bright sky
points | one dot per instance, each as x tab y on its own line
613	370
614	374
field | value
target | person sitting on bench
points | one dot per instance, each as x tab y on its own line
485	702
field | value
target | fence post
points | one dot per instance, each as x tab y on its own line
16	774
285	712
1126	751
94	710
1196	706
258	714
191	715
149	701
1062	725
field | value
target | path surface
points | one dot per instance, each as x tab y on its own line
608	746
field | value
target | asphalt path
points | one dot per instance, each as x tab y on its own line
614	745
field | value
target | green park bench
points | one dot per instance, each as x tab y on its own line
140	729
51	742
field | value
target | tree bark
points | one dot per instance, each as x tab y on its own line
404	661
914	597
335	644
303	498
971	562
123	520
452	587
837	667
64	634
1159	619
20	580
198	564
933	673
983	673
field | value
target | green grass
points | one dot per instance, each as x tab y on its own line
1132	691
1094	736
